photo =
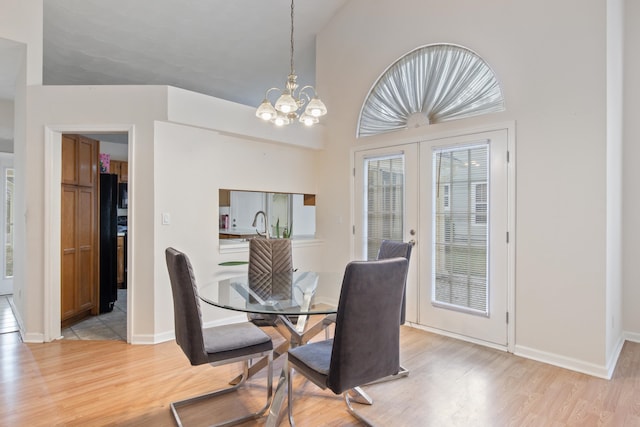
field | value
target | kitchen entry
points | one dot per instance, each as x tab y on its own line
452	198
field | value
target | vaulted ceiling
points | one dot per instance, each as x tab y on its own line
230	49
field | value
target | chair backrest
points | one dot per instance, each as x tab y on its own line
186	307
268	256
366	344
391	249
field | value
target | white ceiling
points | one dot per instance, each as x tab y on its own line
230	49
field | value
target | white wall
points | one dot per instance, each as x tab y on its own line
550	58
115	150
615	80
21	21
631	224
191	165
78	109
6	125
171	168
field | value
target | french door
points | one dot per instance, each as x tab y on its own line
452	200
386	206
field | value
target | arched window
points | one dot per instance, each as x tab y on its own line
431	84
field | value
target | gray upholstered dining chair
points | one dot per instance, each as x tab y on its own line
238	342
388	249
371	295
266	258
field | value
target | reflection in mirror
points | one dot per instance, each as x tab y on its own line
247	214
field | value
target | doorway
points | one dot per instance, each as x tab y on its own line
52	295
454	198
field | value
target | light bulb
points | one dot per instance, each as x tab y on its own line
308	120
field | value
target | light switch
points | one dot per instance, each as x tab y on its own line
166	218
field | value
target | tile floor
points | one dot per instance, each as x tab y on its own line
7	319
107	326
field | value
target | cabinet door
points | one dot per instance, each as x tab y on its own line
79	226
87	162
69	251
114	167
87	250
69	159
124	172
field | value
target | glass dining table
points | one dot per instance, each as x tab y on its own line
281	297
279	294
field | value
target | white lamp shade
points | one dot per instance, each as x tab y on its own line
286	103
266	111
316	108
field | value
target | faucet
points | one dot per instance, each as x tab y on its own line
266	224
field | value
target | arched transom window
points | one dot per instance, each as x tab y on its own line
431	84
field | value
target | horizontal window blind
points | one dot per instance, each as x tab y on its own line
460	237
384	201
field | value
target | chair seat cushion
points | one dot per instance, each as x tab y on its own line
235	340
312	360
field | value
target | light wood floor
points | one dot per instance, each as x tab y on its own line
452	383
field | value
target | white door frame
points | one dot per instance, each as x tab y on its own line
52	221
510	127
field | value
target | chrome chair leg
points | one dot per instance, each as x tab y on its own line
290	396
353	412
255	415
275	411
359	396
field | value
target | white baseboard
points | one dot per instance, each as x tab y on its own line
32	337
632	336
577	365
570	363
457	336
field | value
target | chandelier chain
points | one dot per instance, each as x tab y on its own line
292	71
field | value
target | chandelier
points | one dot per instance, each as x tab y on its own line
289	106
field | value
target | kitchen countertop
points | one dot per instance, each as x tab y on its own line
239	231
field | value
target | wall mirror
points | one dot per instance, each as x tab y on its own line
246	214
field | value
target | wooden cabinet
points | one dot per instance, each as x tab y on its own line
79	228
224	197
121	169
121	272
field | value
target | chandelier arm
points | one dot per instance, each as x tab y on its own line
301	91
266	94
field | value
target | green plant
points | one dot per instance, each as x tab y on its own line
286	233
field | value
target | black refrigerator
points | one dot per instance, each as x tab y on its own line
108	241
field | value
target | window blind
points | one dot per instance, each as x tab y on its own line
384	201
460	228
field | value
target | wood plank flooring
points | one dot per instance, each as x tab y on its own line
452	383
